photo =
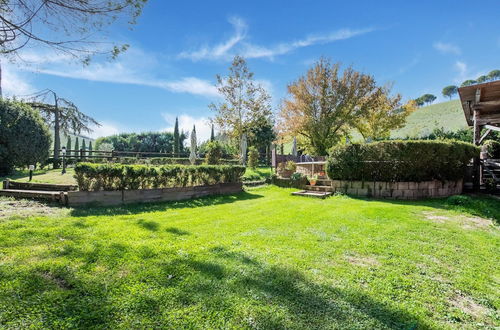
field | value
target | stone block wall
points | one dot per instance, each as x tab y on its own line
398	190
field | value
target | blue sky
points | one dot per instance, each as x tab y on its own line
178	47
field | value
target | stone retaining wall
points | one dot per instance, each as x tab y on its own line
399	190
77	198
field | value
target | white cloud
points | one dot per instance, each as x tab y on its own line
186	122
105	129
447	48
14	83
236	44
134	67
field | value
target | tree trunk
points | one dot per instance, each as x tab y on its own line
57	137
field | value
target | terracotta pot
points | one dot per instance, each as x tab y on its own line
312	182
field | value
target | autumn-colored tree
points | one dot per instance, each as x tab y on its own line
386	114
245	101
325	104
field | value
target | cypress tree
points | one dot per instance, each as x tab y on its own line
176	138
212	135
77	146
90	145
68	145
84	147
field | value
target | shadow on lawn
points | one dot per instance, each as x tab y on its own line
86	211
218	288
483	206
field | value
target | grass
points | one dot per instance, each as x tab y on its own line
259	259
257	174
43	176
448	115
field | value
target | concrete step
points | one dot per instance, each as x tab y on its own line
308	193
319	188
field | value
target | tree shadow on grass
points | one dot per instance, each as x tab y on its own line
95	210
483	206
214	288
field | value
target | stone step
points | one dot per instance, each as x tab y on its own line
319	188
308	193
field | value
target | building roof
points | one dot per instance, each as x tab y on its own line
483	97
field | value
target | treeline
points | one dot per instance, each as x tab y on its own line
143	142
452	90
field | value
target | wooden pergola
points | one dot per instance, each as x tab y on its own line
481	105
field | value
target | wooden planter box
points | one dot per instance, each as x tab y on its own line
77	198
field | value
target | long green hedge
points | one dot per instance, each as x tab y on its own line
93	177
401	161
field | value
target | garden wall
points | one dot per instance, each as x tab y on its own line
77	198
399	190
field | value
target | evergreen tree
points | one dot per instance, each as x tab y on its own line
176	138
84	147
212	134
90	145
77	146
68	145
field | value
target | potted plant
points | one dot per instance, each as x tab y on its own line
312	180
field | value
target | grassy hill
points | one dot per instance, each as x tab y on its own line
448	115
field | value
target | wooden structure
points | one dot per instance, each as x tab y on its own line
481	105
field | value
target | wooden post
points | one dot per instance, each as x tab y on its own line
477	163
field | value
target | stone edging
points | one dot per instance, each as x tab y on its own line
398	190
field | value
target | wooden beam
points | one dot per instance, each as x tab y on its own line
478	95
492	128
484	136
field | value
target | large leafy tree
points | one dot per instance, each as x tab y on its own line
494	75
63	115
385	115
24	137
72	27
450	91
468	82
324	105
245	101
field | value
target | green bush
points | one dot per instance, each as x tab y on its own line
253	157
400	161
93	177
492	148
24	137
213	153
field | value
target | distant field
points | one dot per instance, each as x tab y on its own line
448	115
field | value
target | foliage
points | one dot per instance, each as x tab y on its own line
253	157
77	145
143	142
95	177
494	75
425	99
246	103
468	82
24	137
213	153
492	147
66	26
177	138
68	145
387	114
401	160
257	174
104	146
450	91
290	166
325	104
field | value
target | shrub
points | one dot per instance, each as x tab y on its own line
401	161
24	137
492	148
253	157
213	153
290	166
93	177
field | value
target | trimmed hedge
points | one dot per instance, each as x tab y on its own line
401	161
93	177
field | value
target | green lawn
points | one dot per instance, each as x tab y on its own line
261	259
44	176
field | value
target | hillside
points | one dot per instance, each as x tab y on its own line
448	115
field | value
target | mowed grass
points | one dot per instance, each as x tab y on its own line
260	259
44	176
448	115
